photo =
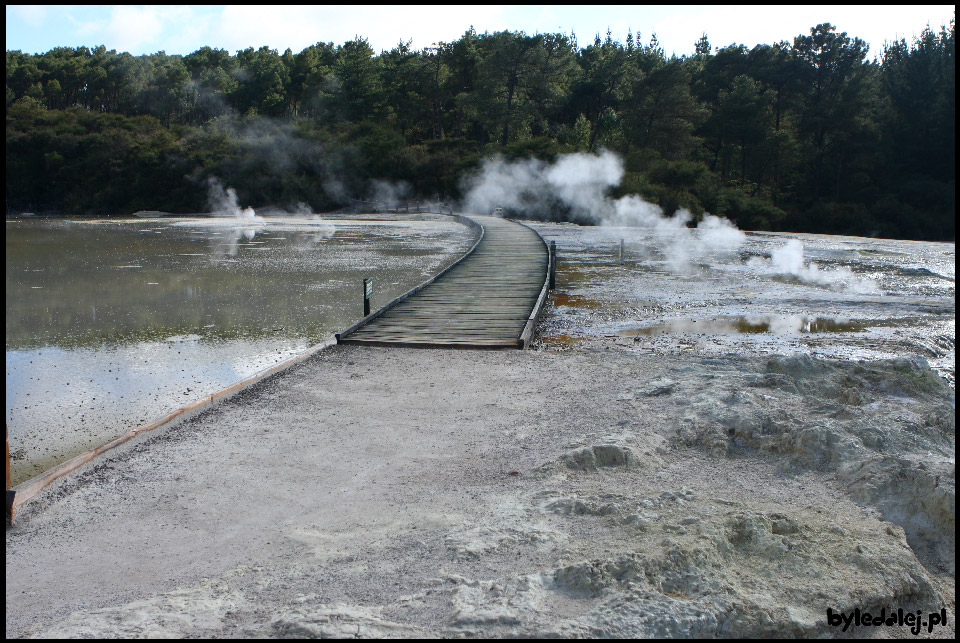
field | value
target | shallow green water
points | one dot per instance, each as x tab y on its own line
114	323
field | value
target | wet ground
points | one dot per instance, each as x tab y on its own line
633	478
114	323
829	296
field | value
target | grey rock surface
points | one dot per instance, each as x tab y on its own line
375	492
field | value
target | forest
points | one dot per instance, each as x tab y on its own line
807	136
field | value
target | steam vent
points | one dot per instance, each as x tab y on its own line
491	298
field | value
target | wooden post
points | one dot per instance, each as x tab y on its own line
10	493
553	265
367	292
621	252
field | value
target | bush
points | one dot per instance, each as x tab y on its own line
747	212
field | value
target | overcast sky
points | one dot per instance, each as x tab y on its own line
182	29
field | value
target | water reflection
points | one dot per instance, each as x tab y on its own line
782	325
843	297
111	323
81	284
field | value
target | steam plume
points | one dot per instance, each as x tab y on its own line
574	188
224	202
788	260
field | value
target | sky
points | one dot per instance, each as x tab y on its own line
182	29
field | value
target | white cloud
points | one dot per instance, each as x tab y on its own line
135	29
185	28
725	25
189	32
132	27
86	27
768	24
547	21
384	26
33	15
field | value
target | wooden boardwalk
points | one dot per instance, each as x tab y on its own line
490	299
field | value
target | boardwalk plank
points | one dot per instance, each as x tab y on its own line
485	301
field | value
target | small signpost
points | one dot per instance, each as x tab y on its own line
11	494
367	293
553	264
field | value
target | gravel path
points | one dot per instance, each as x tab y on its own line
416	492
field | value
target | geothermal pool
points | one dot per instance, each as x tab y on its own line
114	323
111	324
836	297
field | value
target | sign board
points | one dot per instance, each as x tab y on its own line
367	293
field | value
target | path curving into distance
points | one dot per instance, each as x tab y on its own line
490	299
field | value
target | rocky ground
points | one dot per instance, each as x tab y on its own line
380	492
586	492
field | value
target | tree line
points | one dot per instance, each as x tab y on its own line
803	136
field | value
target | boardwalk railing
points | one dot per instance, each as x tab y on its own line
527	335
490	298
358	206
393	302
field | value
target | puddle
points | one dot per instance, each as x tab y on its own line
849	298
561	342
743	325
575	301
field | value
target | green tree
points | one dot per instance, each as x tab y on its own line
835	97
262	81
918	136
554	70
359	94
311	79
840	144
662	114
408	81
605	83
464	114
778	70
711	85
506	68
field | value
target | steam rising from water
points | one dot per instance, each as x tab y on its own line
242	224
388	194
224	202
576	184
574	188
788	260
